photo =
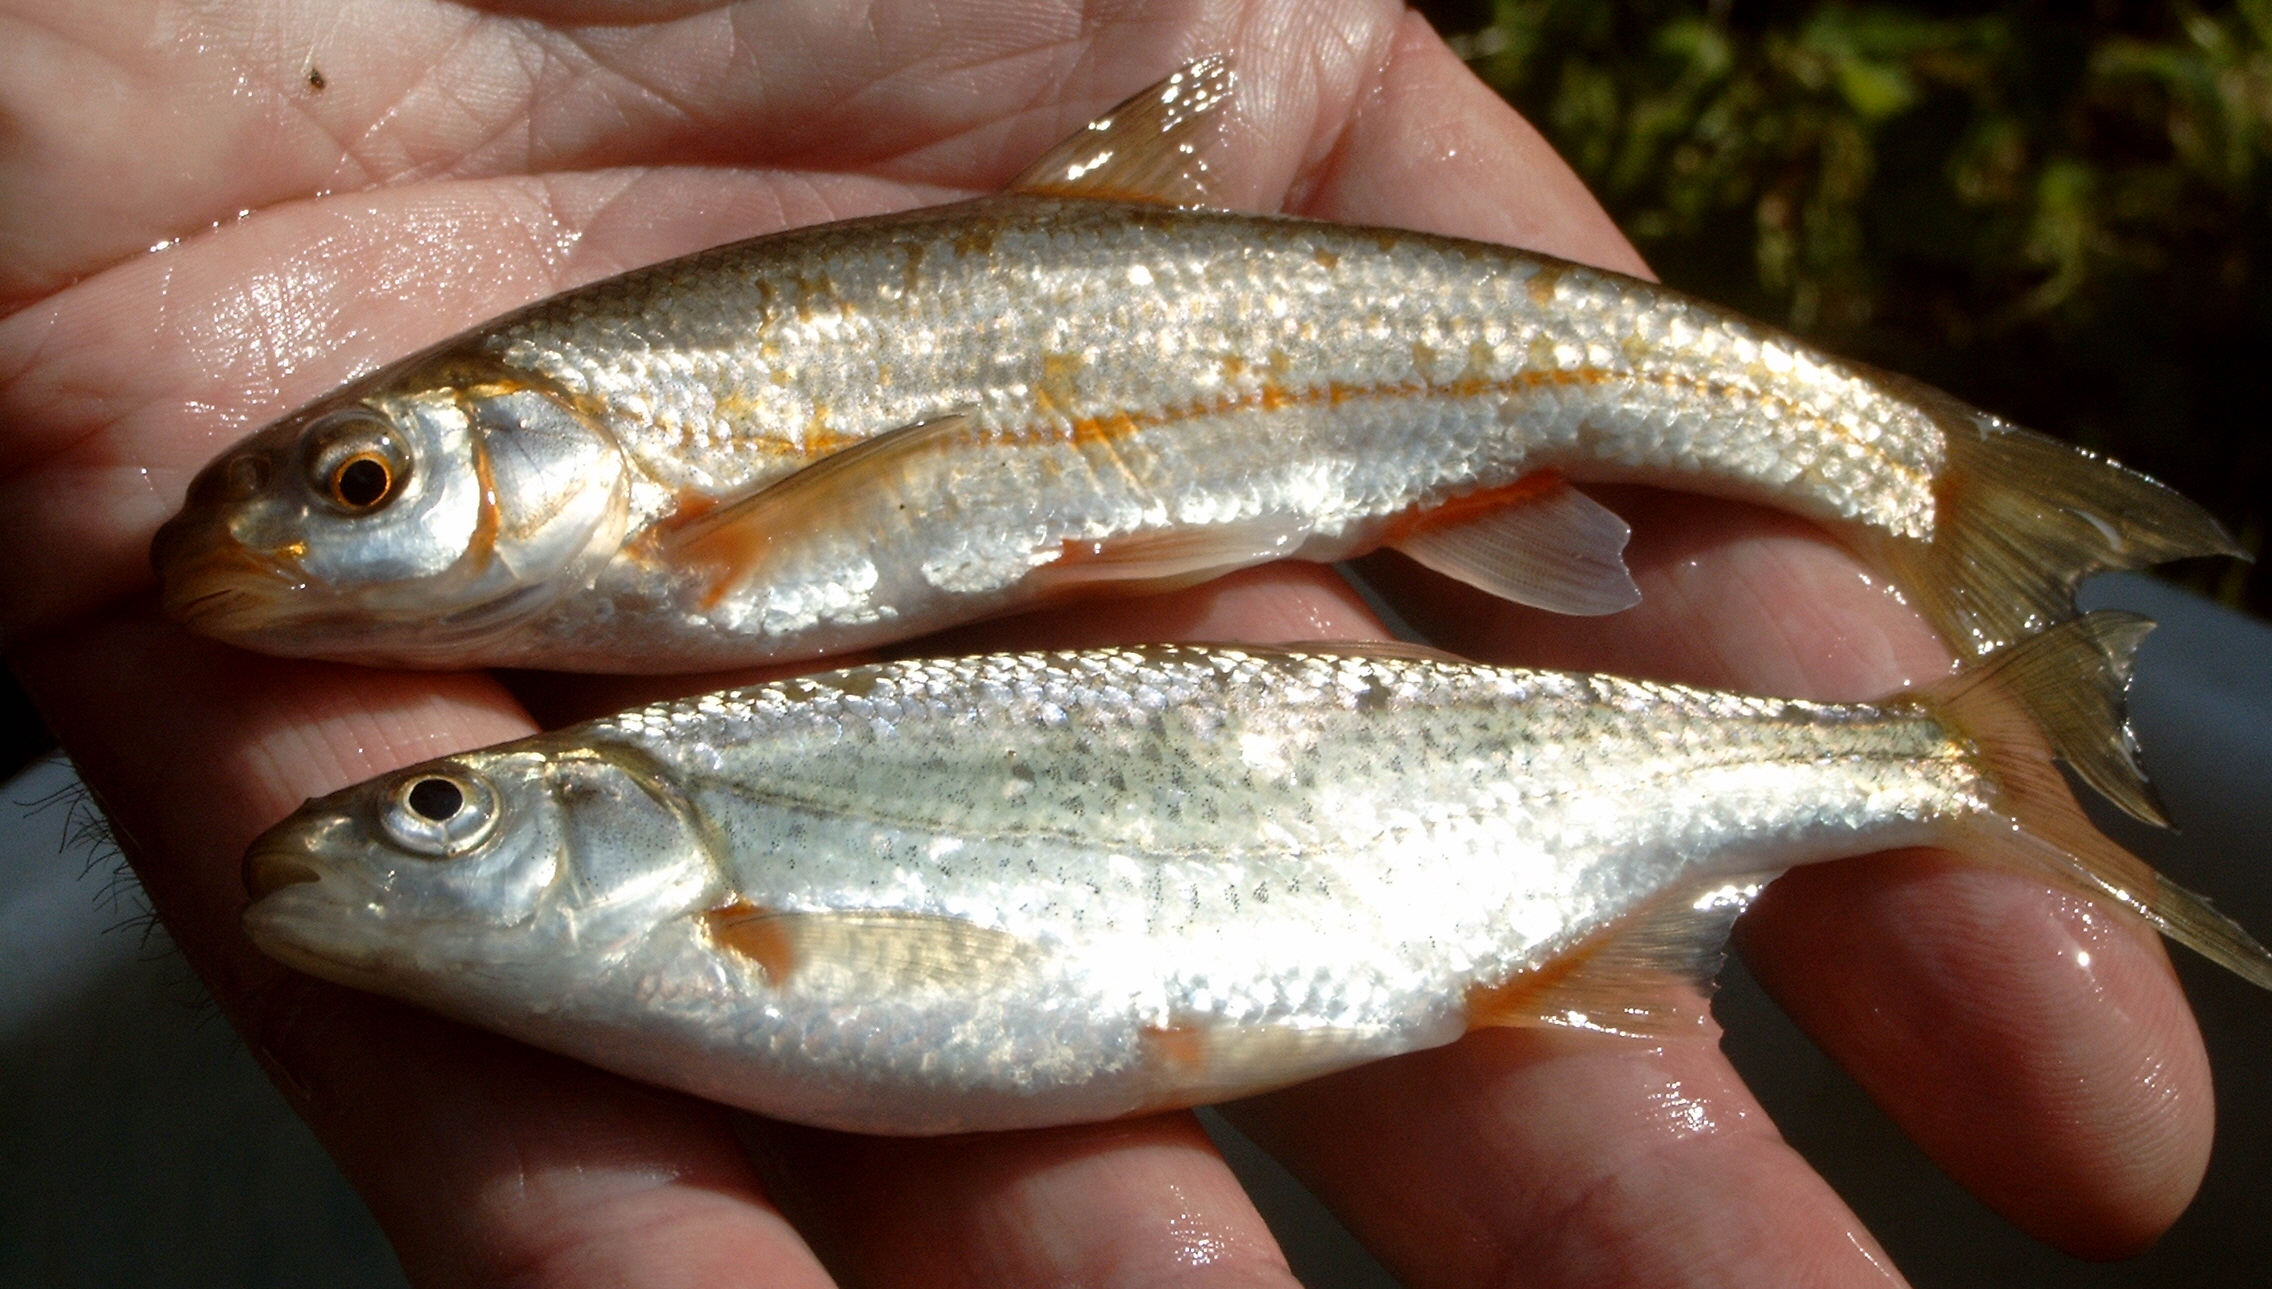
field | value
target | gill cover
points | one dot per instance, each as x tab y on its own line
524	867
405	519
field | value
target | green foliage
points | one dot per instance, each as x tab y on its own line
2063	213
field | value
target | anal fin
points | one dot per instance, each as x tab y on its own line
1537	541
1646	976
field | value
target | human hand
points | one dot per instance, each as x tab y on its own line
459	160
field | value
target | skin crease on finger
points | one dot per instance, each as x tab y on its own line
79	374
958	1211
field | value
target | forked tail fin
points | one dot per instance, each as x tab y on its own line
2060	694
2021	518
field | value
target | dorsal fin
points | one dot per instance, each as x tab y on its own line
1151	148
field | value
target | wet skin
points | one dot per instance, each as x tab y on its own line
458	161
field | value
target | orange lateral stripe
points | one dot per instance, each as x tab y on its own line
1275	397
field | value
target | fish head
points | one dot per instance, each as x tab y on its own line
487	879
406	520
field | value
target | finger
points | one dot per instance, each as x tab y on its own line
1731	596
1431	147
2034	1044
1550	1158
2072	1097
483	1160
287	102
1137	1203
1735	597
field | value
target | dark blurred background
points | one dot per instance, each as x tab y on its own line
2058	211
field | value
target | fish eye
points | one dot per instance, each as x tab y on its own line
439	812
361	482
355	460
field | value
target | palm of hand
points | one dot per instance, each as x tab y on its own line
415	167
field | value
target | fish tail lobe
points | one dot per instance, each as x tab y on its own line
2021	518
2061	695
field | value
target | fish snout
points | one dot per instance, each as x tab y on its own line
210	580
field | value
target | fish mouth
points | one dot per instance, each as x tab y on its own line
271	868
215	585
294	916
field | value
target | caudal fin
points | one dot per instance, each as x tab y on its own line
2059	694
2021	518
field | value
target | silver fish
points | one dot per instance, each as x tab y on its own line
858	432
1027	889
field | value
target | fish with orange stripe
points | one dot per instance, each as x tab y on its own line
857	432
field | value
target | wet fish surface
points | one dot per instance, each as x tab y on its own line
859	432
1024	889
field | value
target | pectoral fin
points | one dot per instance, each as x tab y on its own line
868	950
1639	977
729	542
1539	542
1151	148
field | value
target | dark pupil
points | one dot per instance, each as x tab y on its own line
361	482
436	799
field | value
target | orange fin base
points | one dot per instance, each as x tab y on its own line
870	951
1166	560
1647	976
730	541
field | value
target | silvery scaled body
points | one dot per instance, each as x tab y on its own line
1026	889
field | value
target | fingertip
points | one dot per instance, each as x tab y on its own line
2034	1043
